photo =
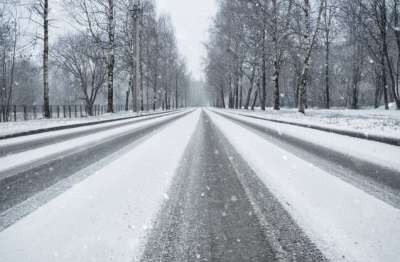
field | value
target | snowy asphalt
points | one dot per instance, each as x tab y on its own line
377	180
217	207
211	214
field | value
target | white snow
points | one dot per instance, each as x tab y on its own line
107	216
373	121
346	223
43	153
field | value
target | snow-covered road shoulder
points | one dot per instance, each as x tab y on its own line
376	125
38	126
106	216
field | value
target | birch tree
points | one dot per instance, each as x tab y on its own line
309	40
96	17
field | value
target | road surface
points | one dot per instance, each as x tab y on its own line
197	185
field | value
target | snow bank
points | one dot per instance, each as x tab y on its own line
346	223
392	106
107	216
9	128
372	121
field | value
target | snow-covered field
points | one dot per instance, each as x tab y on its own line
373	121
8	128
105	217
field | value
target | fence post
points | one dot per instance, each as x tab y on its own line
69	110
80	106
58	111
75	113
15	113
65	113
34	112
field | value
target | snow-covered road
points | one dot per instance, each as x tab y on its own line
198	185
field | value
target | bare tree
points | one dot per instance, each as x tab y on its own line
97	19
309	44
84	63
41	8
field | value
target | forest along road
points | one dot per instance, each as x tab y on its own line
60	155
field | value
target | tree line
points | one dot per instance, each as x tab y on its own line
303	53
92	57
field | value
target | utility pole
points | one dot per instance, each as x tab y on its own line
135	92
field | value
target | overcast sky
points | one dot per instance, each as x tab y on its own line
191	19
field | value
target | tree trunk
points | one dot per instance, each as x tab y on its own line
377	89
110	65
276	85
89	109
127	100
275	56
309	46
395	86
263	69
186	103
10	92
230	92
222	96
256	94
46	59
176	91
236	83
155	74
384	83
327	45
253	74
240	91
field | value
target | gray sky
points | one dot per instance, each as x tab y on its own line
191	19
